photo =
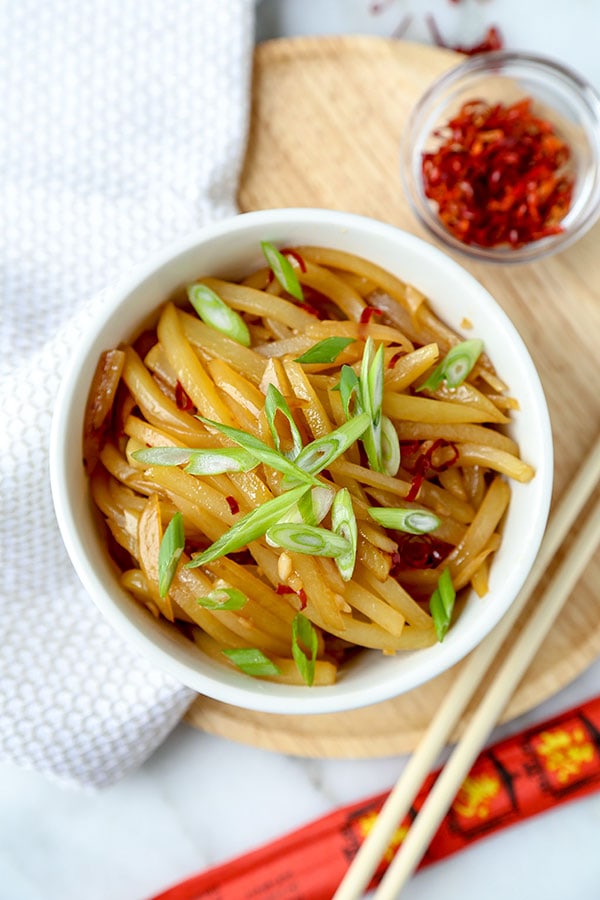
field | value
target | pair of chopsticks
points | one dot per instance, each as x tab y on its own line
498	693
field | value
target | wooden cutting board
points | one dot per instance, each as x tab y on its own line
326	122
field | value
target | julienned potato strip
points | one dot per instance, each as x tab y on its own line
455	462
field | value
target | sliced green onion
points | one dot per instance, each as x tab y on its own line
375	384
371	386
411	521
304	634
455	366
250	527
261	451
311	508
321	453
306	539
326	351
199	462
216	462
349	385
282	270
223	598
441	604
251	661
163	456
275	401
343	522
217	314
390	447
171	548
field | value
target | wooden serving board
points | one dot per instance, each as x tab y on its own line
326	122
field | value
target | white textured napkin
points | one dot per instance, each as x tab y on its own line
122	126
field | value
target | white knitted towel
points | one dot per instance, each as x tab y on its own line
122	127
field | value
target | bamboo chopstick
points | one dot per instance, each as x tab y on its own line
463	688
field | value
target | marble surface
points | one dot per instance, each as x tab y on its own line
200	799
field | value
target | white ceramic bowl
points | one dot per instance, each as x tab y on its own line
232	248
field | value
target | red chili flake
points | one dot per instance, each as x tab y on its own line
287	251
234	506
182	400
311	310
499	175
492	41
414	553
409	448
421	551
395	359
415	487
424	463
368	313
286	589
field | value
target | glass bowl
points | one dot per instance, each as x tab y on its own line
559	95
231	248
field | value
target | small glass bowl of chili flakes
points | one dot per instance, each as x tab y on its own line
501	157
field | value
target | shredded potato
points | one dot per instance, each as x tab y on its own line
455	463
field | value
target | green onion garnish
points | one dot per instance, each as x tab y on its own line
311	508
216	462
455	366
304	633
390	447
324	450
275	401
350	384
217	314
326	351
250	527
441	604
261	451
306	539
162	456
411	521
371	388
282	270
223	598
199	462
251	661
343	522
171	548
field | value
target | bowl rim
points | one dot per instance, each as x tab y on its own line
494	63
250	694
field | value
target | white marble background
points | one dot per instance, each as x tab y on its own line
200	800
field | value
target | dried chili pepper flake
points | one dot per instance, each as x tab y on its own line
425	463
415	487
395	358
287	251
368	313
234	506
421	552
284	589
492	39
311	310
182	399
499	175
